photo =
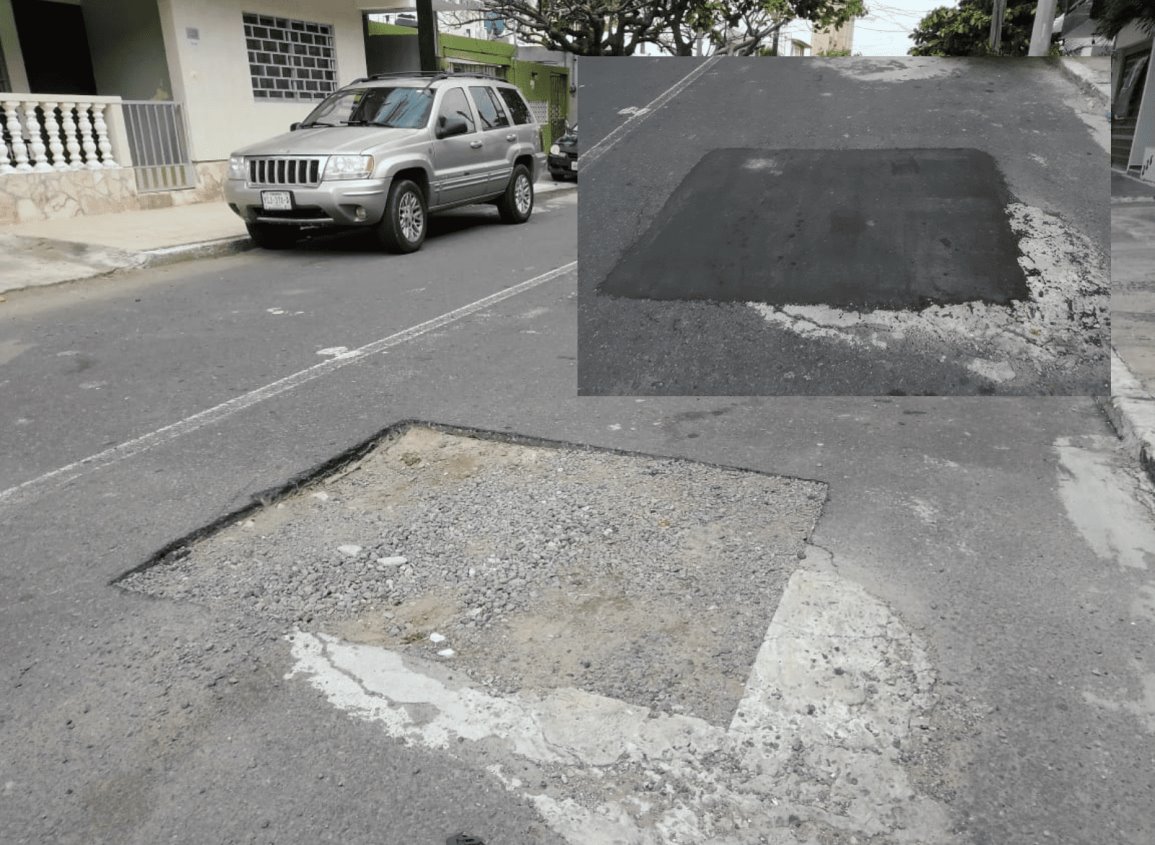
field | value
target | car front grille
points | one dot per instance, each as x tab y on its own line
277	170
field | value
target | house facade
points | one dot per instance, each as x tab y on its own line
1132	84
113	105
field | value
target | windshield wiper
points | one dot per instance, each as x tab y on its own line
314	123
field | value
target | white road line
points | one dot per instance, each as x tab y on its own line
122	451
602	147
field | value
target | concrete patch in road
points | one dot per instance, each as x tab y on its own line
854	229
899	69
590	628
812	753
645	579
1112	508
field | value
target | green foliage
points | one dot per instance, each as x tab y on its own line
621	27
1116	15
966	29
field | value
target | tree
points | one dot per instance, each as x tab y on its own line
966	30
1115	15
679	27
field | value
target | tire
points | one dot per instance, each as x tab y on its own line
273	235
516	204
406	219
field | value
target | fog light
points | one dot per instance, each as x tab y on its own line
360	213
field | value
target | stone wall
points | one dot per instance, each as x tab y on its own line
27	197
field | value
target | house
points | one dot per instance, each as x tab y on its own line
110	105
1132	84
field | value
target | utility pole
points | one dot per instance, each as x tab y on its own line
427	35
1044	23
997	15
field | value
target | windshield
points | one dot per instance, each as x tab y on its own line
401	108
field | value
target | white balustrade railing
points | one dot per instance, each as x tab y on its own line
46	133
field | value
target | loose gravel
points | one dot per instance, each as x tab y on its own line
529	567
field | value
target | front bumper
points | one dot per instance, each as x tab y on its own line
562	163
355	202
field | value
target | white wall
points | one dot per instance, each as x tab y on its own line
211	74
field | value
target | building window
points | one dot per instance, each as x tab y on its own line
288	59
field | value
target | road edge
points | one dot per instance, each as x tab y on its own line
1131	410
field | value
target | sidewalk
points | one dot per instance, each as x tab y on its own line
1132	403
53	251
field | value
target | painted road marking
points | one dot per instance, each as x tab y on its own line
835	690
36	486
603	146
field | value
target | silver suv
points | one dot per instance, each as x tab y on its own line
384	152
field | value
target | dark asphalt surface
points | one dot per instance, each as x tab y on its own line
858	229
1016	113
130	720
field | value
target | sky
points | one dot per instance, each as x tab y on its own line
885	31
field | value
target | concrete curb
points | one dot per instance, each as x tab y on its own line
1085	78
187	252
107	260
1131	410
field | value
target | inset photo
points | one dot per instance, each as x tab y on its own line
846	226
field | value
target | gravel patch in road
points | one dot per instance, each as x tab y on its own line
646	579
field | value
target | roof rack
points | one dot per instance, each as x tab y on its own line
431	75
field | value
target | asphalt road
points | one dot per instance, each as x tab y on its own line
1010	535
695	199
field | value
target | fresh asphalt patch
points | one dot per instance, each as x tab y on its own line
851	229
642	648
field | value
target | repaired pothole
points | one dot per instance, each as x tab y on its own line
855	229
529	567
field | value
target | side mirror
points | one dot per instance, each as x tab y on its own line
447	127
293	126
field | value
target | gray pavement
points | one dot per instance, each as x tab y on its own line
71	249
1011	537
1007	536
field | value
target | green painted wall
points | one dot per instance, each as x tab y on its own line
535	80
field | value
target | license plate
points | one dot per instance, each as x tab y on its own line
277	200
573	165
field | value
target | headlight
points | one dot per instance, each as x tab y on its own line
237	167
555	150
349	167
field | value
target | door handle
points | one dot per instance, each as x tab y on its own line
512	137
476	145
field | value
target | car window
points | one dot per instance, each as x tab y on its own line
454	104
488	107
399	107
517	106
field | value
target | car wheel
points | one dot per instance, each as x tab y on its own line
402	229
516	204
273	235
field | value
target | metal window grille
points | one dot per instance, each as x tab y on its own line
290	59
496	71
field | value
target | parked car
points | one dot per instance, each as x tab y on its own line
563	156
386	151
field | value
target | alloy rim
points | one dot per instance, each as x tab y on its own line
522	194
412	220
